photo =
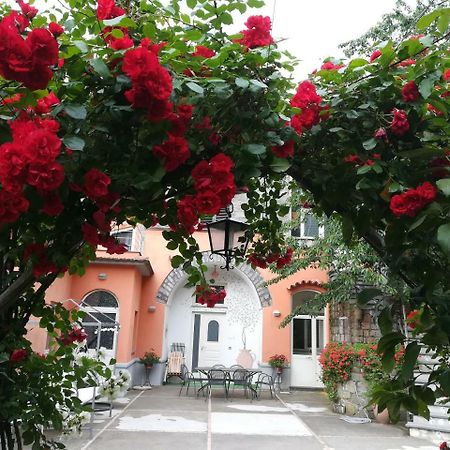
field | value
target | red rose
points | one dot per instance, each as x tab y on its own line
408	203
443	446
121	43
207	202
203	51
96	183
305	95
257	33
410	92
90	234
174	152
12	205
221	162
399	124
285	150
296	124
107	9
27	9
407	62
376	54
381	134
186	213
19	354
44	47
427	191
331	66
446	77
352	159
16	19
42	146
44	104
45	177
53	206
55	29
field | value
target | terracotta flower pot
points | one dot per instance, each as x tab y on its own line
382	417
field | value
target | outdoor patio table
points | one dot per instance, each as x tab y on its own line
228	371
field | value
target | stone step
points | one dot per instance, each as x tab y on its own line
442	425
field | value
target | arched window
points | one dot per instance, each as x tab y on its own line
102	316
213	331
101	299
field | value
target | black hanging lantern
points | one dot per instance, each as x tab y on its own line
227	238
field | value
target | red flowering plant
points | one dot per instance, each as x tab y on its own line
394	105
278	361
123	111
337	361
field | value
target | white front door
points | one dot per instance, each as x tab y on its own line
308	340
211	340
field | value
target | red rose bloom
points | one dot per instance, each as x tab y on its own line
186	213
174	152
44	47
376	54
27	9
331	66
407	62
45	177
96	184
203	51
410	92
207	202
381	134
42	146
446	77
443	446
399	124
257	33
53	206
107	9
413	200
55	29
285	150
17	355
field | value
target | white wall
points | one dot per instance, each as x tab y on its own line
243	312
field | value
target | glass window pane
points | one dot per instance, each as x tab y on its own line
301	344
101	299
125	238
213	331
311	227
320	335
106	327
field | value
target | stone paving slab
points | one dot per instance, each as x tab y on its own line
160	419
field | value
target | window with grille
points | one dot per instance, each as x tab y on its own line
125	238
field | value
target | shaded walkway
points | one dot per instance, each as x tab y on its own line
159	419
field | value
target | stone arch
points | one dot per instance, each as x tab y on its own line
176	275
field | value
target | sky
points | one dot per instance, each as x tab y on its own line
314	28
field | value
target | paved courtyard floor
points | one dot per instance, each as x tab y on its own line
160	419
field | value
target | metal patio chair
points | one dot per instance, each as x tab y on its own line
190	378
240	377
217	377
264	380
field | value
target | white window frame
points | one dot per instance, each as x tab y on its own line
303	212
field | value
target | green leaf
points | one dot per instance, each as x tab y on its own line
101	68
191	3
81	45
443	237
443	21
193	35
427	20
255	3
195	87
426	87
385	321
411	353
74	142
176	261
258	84
419	221
370	144
75	111
280	165
444	186
368	294
242	83
255	149
172	245
113	22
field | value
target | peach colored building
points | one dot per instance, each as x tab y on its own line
140	291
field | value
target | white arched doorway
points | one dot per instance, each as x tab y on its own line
220	335
308	339
101	306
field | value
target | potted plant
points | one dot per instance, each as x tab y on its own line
278	362
149	359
